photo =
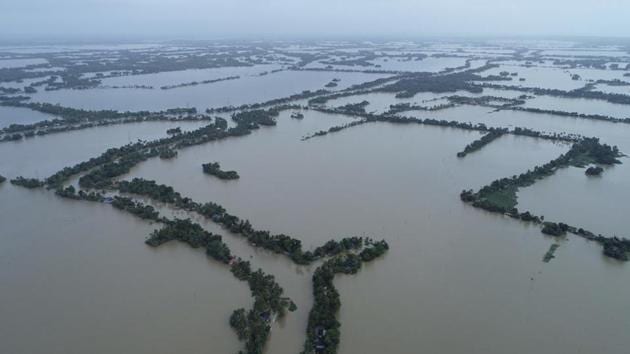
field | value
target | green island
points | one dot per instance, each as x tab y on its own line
594	171
214	169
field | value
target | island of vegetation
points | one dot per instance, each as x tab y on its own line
214	169
167	153
594	171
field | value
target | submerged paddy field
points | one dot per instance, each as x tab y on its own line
315	197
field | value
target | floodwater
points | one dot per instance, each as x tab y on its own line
451	269
245	90
457	279
41	156
543	77
76	276
583	106
17	115
19	63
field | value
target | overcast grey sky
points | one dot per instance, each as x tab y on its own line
295	18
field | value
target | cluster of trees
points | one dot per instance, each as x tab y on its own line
280	243
69	71
571	114
71	193
138	209
75	119
323	331
12	137
615	247
174	131
412	84
140	87
488	101
500	195
71	80
354	90
371	117
214	169
405	107
2	179
323	99
101	177
254	119
167	153
335	129
194	235
550	253
554	229
478	144
594	171
117	161
364	60
253	326
274	102
30	183
354	108
60	126
195	83
582	93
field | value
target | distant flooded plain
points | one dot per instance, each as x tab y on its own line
77	277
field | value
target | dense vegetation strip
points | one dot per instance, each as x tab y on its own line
214	169
500	195
118	161
252	327
478	144
195	83
388	118
580	93
280	244
323	331
550	254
